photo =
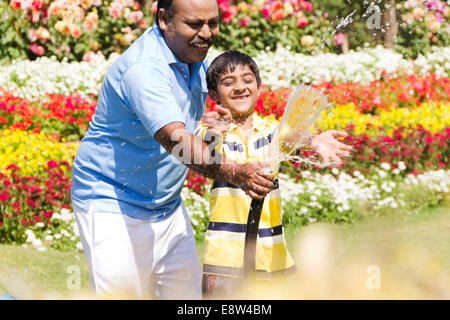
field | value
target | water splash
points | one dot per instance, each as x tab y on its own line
294	131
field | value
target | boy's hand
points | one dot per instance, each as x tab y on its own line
254	178
329	149
218	121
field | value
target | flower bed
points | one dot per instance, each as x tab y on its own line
31	152
26	200
280	69
34	28
399	125
64	116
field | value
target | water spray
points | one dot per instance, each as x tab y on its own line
304	107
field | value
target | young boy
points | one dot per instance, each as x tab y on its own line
233	82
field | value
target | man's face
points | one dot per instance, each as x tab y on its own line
192	29
237	91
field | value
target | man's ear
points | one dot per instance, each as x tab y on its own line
163	20
213	95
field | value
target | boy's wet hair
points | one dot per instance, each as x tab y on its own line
227	62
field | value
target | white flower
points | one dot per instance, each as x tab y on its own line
313	198
79	246
30	235
303	210
40	224
36	243
58	236
382	173
385	166
48	237
401	165
335	171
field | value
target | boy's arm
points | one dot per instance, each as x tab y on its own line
325	144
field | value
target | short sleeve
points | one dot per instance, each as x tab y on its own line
147	89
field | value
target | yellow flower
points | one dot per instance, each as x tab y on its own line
307	40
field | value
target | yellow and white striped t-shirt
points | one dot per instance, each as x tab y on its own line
229	207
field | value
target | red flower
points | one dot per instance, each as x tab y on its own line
52	164
3	197
278	15
31	203
245	22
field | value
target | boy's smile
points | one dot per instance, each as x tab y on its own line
237	91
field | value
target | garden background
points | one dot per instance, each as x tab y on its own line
384	66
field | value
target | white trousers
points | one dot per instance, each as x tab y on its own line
131	258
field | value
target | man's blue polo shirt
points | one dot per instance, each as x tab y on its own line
119	165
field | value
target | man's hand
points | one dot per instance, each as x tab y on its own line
255	179
329	149
218	121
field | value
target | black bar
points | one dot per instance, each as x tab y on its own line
251	235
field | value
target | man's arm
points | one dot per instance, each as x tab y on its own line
253	178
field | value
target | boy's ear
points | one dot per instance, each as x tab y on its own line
213	95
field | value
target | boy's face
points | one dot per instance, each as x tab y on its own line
237	91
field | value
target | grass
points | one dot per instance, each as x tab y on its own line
31	274
428	229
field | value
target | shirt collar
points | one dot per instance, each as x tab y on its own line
258	124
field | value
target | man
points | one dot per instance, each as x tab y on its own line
132	163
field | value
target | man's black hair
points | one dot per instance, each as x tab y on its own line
167	5
227	62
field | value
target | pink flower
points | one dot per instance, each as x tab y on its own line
143	24
245	22
307	6
37	49
265	12
75	32
229	13
302	22
439	17
88	56
136	16
32	35
339	39
35	17
115	11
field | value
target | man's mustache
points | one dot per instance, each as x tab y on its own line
199	41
